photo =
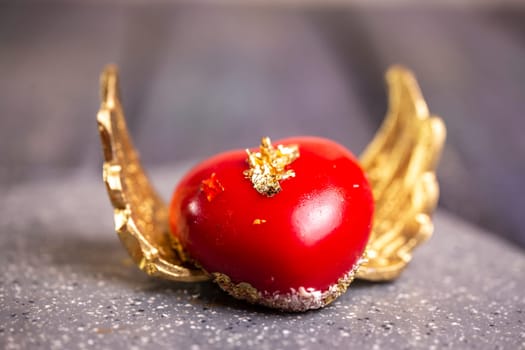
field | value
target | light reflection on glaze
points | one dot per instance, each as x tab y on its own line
318	215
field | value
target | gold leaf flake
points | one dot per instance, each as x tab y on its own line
269	166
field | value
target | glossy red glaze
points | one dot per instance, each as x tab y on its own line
308	235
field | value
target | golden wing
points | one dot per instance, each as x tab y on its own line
400	163
141	217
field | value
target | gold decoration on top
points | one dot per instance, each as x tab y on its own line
269	166
141	216
400	163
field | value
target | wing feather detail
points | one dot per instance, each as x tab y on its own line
400	163
140	215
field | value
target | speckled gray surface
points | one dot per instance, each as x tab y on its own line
67	283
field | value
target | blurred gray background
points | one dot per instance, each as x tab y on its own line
198	79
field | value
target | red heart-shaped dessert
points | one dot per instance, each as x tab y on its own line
293	242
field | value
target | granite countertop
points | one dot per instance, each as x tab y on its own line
67	283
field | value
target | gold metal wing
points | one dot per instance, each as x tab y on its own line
400	163
141	216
